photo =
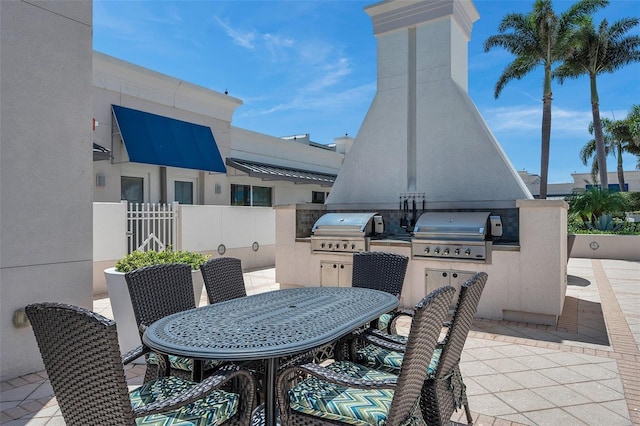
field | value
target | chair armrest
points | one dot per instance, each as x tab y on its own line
339	378
391	338
224	375
391	326
134	354
384	342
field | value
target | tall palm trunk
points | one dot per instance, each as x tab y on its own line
601	154
546	133
620	169
546	141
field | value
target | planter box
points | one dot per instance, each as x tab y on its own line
606	246
128	335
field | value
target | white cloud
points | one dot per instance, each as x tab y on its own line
330	75
326	100
243	39
567	121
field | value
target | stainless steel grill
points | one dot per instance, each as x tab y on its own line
345	232
452	235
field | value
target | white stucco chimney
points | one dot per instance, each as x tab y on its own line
423	133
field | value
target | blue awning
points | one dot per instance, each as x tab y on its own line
164	141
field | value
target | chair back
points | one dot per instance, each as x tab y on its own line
423	337
458	331
379	271
82	357
160	290
223	279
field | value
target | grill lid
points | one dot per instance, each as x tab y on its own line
452	225
343	224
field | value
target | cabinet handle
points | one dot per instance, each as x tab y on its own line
455	275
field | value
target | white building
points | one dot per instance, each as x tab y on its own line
580	181
171	140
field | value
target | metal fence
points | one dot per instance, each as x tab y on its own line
152	226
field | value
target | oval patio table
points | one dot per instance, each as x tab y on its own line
268	326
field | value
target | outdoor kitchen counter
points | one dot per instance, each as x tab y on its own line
406	242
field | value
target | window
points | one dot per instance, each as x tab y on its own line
614	187
247	195
262	196
132	189
183	192
240	195
317	197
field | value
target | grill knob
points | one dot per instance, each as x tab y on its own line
446	251
330	245
427	250
353	246
345	246
467	252
457	252
437	250
322	245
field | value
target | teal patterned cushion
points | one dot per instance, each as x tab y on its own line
390	361
184	364
214	409
383	321
363	407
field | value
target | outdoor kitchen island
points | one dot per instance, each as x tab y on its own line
527	279
423	147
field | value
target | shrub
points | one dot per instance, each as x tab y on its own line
589	206
138	259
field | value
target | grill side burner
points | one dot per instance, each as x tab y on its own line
452	235
342	232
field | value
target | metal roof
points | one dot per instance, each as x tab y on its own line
274	172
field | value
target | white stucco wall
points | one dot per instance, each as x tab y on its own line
122	83
203	228
45	166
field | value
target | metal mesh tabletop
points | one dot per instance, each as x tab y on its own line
267	325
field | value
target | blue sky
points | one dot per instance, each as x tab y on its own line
310	67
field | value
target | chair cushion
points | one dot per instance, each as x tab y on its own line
364	407
373	356
184	364
383	321
214	409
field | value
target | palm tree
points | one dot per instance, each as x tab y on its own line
539	38
634	127
589	205
618	139
597	52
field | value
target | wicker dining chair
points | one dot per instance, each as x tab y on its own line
157	291
349	393
380	271
444	390
82	358
223	279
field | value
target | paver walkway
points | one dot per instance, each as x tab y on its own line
585	371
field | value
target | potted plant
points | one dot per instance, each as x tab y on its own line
128	335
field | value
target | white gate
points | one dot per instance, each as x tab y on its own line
152	226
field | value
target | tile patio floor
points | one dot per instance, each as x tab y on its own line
585	371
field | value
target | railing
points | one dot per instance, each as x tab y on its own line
152	226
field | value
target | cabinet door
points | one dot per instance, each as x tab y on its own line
329	274
344	275
335	274
435	278
456	279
